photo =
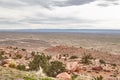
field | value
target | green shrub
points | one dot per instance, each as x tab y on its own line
45	79
12	65
33	53
86	59
74	77
2	52
114	65
50	68
39	61
15	48
29	78
102	61
73	57
55	68
18	56
1	57
98	78
21	67
23	49
65	55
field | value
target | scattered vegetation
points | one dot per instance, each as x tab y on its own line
15	48
98	78
42	65
114	65
86	59
65	55
18	56
115	74
55	68
12	65
23	49
29	78
73	57
21	67
74	77
1	57
1	53
102	61
50	68
40	61
33	53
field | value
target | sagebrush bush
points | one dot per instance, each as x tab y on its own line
40	61
23	49
98	78
21	67
12	65
29	78
102	61
2	52
73	57
18	56
50	68
74	77
1	57
114	65
86	59
33	53
55	68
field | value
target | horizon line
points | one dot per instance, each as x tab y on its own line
58	29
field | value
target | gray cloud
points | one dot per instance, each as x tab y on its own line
48	3
22	3
115	3
29	12
8	21
77	2
41	18
108	3
54	20
12	4
72	2
43	3
47	21
112	0
103	5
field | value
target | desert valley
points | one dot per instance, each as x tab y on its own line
59	56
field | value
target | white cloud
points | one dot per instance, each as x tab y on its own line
82	16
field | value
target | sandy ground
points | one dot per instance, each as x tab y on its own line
39	41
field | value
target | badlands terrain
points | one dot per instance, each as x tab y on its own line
83	56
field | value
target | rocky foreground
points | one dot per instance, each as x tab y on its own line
59	63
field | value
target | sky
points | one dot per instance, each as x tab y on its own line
59	14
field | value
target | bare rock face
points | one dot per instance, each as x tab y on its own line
72	66
63	76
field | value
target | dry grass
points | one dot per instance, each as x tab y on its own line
13	74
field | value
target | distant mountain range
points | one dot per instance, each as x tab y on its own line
109	31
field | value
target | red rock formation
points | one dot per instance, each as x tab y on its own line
63	76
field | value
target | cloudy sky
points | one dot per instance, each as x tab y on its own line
60	14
